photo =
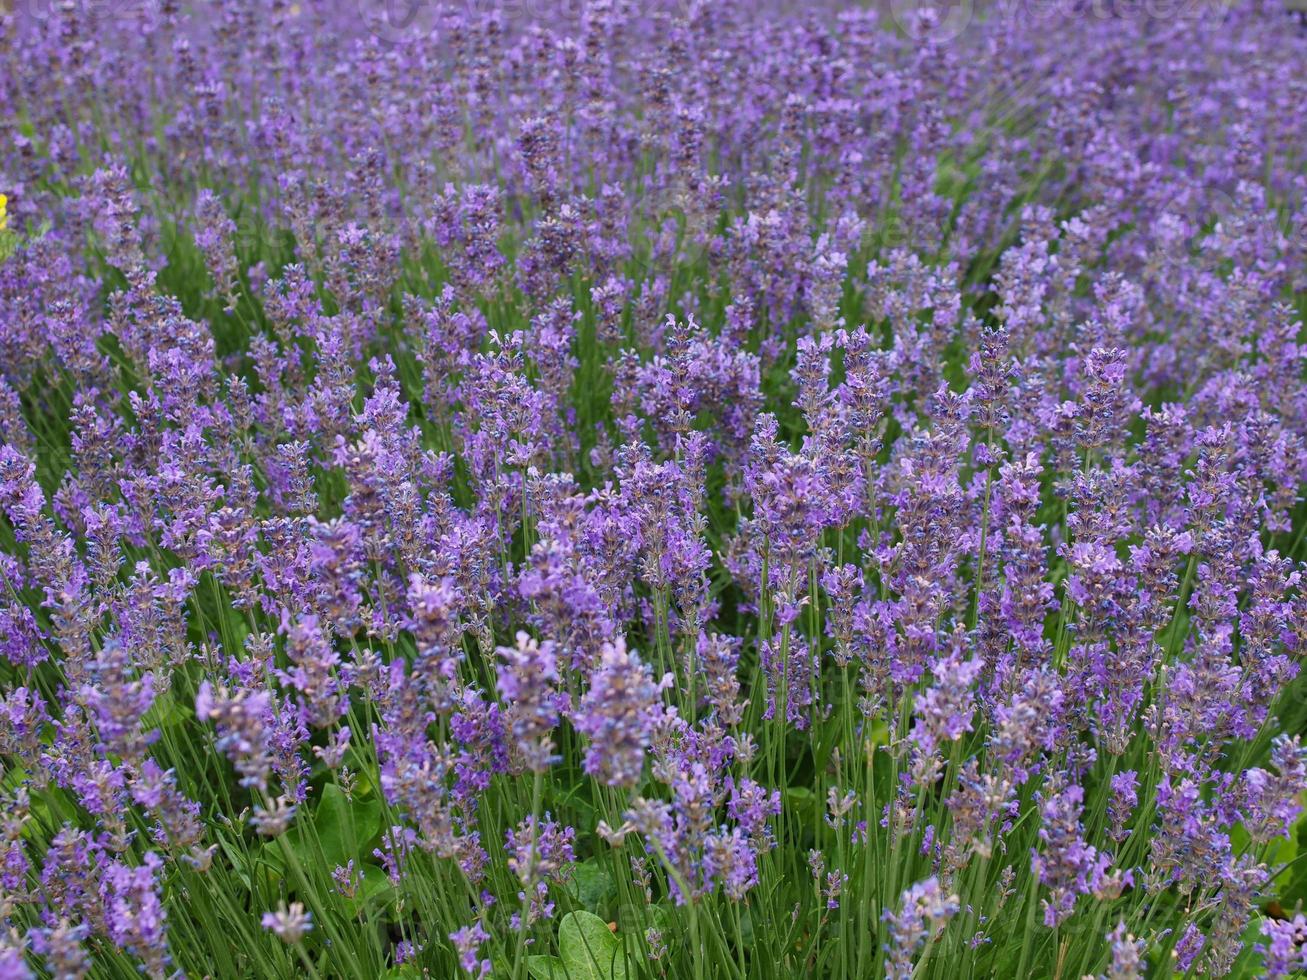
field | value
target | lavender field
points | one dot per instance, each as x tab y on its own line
652	489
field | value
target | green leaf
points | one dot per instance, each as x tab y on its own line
1293	888
546	968
343	825
591	886
1282	850
746	926
589	949
375	885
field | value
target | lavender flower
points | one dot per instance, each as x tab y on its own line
243	720
1066	864
134	915
526	681
619	713
924	910
921	393
467	942
1285	949
539	854
290	923
1127	955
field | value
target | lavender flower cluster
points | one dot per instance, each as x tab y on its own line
694	488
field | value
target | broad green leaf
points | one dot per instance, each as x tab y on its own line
343	826
1293	886
375	887
1282	850
589	949
638	918
591	886
546	968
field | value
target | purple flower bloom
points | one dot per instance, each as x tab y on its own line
467	943
134	915
619	713
924	909
1285	950
1066	864
539	854
290	923
527	681
923	395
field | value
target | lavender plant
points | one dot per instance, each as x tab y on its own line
598	489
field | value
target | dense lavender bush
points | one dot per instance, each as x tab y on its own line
600	489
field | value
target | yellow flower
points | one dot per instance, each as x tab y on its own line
4	216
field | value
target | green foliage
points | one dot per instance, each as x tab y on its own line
592	886
588	950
